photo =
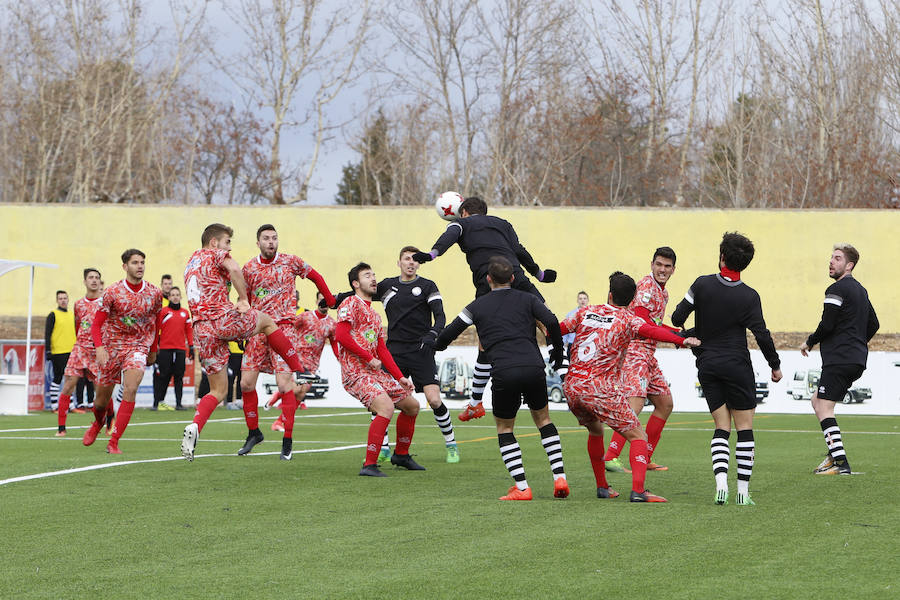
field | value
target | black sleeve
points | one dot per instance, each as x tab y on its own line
525	258
48	331
755	322
437	310
450	333
383	286
448	238
545	316
873	324
826	325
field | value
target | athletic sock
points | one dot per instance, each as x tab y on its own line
480	377
406	426
512	458
251	409
288	412
595	453
205	407
100	413
377	428
64	400
638	456
743	455
110	413
282	345
54	394
654	431
553	448
442	416
718	447
125	410
616	445
833	439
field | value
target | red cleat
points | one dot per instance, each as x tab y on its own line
302	406
472	412
655	467
646	496
90	436
113	447
61	433
515	493
278	424
561	488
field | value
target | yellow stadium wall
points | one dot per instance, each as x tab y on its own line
790	270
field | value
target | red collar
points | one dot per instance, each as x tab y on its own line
729	274
267	261
134	287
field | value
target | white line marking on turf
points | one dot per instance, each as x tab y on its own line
123	463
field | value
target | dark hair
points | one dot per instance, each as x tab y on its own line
58	292
215	231
665	252
91	270
850	253
500	270
622	288
164	277
126	256
736	250
353	274
582	292
175	287
473	206
406	249
266	227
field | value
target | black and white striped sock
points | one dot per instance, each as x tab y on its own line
512	458
833	439
442	416
480	377
54	395
720	456
553	448
743	455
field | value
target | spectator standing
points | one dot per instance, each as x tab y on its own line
175	334
59	339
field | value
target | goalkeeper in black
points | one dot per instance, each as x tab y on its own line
482	237
848	323
505	321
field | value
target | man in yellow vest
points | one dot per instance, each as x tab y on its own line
59	338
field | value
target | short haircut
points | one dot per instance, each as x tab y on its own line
126	256
406	249
92	270
582	292
58	292
175	287
622	288
166	276
266	227
500	270
736	250
353	274
473	206
215	231
665	252
850	253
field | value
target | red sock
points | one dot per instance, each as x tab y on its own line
616	445
638	456
100	413
285	349
406	425
205	407
251	409
64	400
288	411
376	433
595	452
125	410
654	431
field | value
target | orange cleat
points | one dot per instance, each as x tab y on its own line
472	412
561	488
302	405
61	433
515	493
278	424
113	447
655	467
646	496
90	436
78	411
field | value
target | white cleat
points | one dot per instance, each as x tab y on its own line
191	433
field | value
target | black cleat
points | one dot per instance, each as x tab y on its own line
371	471
607	492
406	461
843	467
645	496
286	448
253	438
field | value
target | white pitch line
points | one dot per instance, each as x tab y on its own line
123	463
166	440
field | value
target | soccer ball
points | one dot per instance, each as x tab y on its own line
447	206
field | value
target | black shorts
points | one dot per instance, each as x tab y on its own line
510	386
520	282
737	389
419	366
836	380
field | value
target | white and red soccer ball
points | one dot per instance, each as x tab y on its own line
447	206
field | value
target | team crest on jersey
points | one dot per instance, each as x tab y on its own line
309	338
596	321
417	291
343	313
646	297
370	335
85	324
260	293
128	321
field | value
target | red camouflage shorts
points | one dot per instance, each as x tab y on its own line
368	386
121	358
211	337
260	356
642	377
82	363
591	400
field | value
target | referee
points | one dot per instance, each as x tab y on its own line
848	323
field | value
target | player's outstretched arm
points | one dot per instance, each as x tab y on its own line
663	334
684	309
317	279
443	243
452	331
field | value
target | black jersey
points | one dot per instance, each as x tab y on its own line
724	310
482	237
848	323
409	306
505	320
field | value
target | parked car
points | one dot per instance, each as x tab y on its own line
805	383
318	390
554	384
762	389
455	378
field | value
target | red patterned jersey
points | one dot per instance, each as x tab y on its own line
131	315
207	284
85	309
602	334
314	332
654	298
271	285
365	327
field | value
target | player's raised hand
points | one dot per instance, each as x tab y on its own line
374	364
102	356
547	276
691	342
242	306
422	257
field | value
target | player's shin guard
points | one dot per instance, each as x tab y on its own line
718	447
616	445
512	458
251	409
639	457
743	455
595	453
64	400
377	428
406	426
282	345
833	439
480	377
289	413
124	416
442	416
205	408
553	448
654	432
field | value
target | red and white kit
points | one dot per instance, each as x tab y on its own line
313	330
83	359
128	326
216	320
367	333
642	375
